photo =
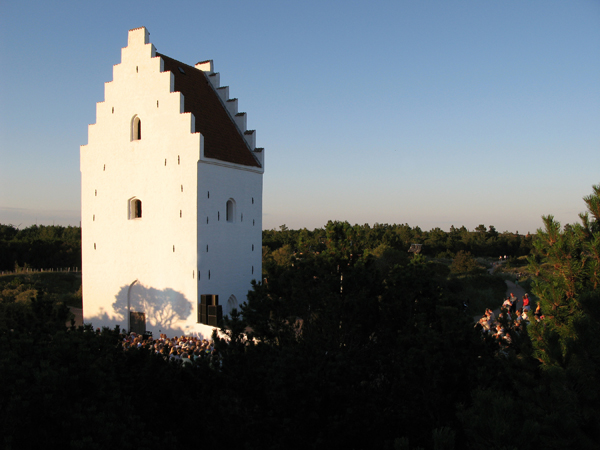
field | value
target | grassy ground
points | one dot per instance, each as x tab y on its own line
483	291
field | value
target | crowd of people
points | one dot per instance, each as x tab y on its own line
509	316
183	349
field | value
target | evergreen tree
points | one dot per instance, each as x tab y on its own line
566	340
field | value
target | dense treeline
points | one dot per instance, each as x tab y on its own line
436	242
345	343
39	247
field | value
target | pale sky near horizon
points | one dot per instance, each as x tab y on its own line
431	113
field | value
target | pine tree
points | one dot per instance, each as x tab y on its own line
566	341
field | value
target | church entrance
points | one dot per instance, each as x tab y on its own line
137	322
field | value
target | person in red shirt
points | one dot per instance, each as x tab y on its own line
526	303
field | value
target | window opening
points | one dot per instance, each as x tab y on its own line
113	109
94	246
136	129
232	302
135	208
96	192
252	270
180	213
181	70
157	103
209	274
182	188
94	218
218	215
230	208
104	169
206	248
173	249
252	247
178	160
165	161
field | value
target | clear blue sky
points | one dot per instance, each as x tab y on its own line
431	113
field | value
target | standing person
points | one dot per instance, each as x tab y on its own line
513	304
526	303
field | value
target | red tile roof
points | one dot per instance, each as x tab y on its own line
222	138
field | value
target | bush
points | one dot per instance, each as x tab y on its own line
465	263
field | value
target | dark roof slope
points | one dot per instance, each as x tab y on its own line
222	138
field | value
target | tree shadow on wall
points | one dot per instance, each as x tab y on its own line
163	308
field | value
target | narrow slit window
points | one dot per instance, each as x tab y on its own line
182	188
230	208
180	213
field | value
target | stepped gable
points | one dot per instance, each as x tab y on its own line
222	138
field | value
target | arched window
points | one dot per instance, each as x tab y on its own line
232	303
230	210
136	128
135	208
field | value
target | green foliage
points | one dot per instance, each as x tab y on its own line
64	287
39	247
465	263
546	393
346	334
480	291
480	242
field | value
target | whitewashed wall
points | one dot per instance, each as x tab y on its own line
159	261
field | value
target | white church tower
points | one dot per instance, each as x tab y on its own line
171	198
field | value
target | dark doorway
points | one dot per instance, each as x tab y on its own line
137	322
